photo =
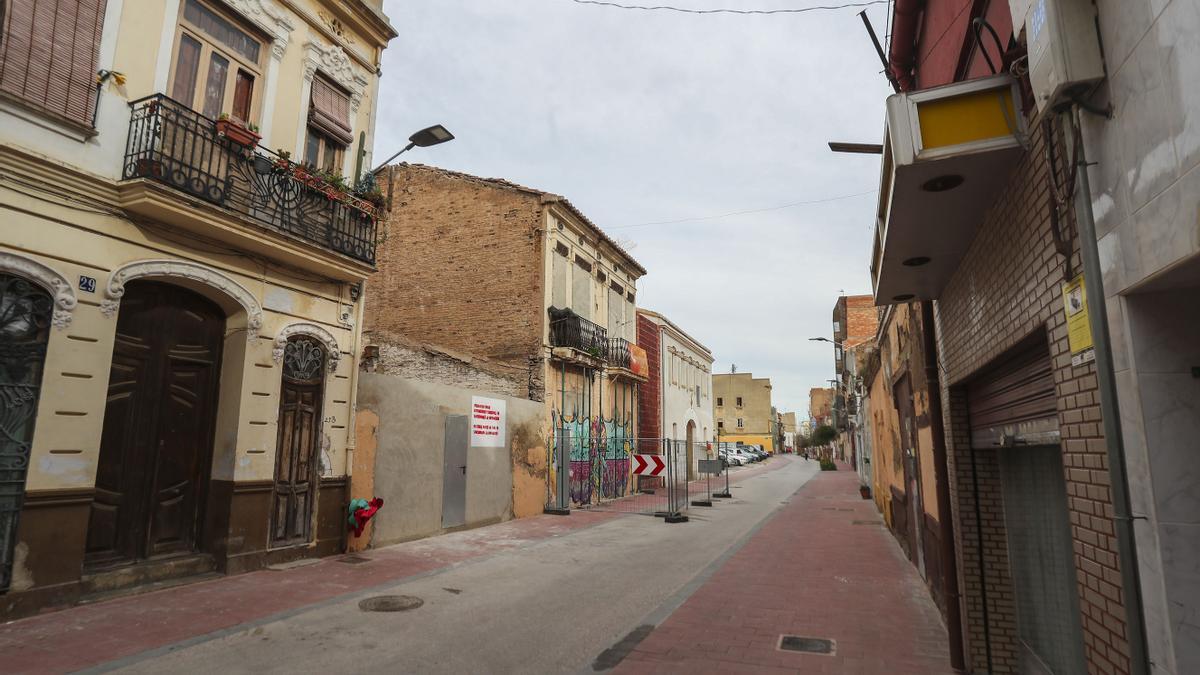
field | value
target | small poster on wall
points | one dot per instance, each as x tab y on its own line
1079	330
487	422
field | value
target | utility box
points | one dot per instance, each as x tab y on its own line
1063	45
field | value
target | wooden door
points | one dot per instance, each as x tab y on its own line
156	446
296	461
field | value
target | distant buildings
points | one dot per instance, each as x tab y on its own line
676	400
743	410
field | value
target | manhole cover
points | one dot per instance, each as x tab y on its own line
795	643
864	522
390	603
353	559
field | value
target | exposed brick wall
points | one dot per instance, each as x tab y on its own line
861	319
1008	287
461	267
650	393
430	364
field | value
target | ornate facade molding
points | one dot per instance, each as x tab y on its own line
181	269
334	63
311	330
48	278
267	15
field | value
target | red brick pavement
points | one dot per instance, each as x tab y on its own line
88	635
810	571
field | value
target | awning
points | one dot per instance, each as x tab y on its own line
947	153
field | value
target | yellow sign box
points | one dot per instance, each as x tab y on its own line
966	118
1079	330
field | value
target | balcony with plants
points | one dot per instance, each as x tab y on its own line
221	162
569	330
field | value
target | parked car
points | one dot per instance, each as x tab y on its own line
730	458
745	455
756	450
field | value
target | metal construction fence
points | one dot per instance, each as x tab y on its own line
602	474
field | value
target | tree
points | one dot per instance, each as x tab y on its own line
823	435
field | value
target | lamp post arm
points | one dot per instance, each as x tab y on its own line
387	161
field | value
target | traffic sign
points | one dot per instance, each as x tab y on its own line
648	465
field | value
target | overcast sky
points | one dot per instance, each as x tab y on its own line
641	117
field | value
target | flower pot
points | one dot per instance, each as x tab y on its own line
865	491
237	133
149	168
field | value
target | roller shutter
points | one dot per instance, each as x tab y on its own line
1012	402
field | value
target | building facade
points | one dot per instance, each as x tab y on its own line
820	406
743	411
181	305
855	320
1059	272
676	400
522	285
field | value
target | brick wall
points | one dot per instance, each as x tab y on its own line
862	319
1007	288
650	393
414	361
461	267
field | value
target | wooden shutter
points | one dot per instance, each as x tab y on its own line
48	56
1013	402
330	111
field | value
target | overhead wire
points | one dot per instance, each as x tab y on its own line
745	212
685	10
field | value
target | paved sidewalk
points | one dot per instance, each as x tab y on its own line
823	566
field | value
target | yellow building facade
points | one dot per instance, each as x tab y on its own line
742	408
181	306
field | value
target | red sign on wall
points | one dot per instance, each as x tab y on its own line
638	361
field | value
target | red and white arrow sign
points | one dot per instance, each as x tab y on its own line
648	465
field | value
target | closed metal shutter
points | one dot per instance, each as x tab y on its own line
1013	401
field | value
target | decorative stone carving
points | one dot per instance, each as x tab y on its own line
181	269
334	63
335	26
311	330
267	15
47	277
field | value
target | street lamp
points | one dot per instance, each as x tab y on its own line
424	138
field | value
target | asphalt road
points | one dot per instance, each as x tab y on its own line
552	606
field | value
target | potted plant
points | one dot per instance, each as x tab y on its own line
865	491
149	168
245	135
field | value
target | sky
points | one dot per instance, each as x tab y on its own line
645	116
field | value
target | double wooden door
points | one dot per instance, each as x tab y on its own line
156	447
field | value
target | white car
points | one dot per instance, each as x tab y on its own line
731	458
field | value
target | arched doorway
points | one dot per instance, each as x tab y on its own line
691	450
296	461
25	316
156	446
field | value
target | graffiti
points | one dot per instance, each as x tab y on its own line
598	447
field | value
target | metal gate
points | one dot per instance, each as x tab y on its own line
25	311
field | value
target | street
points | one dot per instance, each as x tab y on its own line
539	595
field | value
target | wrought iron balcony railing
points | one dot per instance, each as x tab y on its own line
618	353
174	145
568	329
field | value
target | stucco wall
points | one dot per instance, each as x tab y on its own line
410	443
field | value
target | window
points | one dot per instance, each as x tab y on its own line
739	404
217	65
329	130
837	328
48	55
740	425
720	402
720	424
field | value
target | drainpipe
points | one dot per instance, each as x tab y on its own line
941	471
1089	252
902	48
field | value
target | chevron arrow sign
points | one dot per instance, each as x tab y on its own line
648	465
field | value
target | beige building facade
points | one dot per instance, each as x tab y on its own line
181	305
742	408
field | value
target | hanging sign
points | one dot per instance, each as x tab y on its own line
1079	331
487	422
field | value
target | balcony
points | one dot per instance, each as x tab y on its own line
618	353
568	329
172	145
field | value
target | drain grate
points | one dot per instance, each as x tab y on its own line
864	522
390	603
353	559
810	645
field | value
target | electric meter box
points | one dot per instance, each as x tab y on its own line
1063	46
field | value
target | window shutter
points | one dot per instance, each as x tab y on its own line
330	111
48	56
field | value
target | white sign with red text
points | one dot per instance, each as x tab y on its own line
487	422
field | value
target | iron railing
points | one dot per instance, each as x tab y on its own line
174	145
618	353
568	329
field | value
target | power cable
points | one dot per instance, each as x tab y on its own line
684	10
742	213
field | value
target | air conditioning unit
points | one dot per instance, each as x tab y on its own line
1063	46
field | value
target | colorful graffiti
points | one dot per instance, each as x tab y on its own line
599	447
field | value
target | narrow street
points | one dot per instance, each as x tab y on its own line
545	594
